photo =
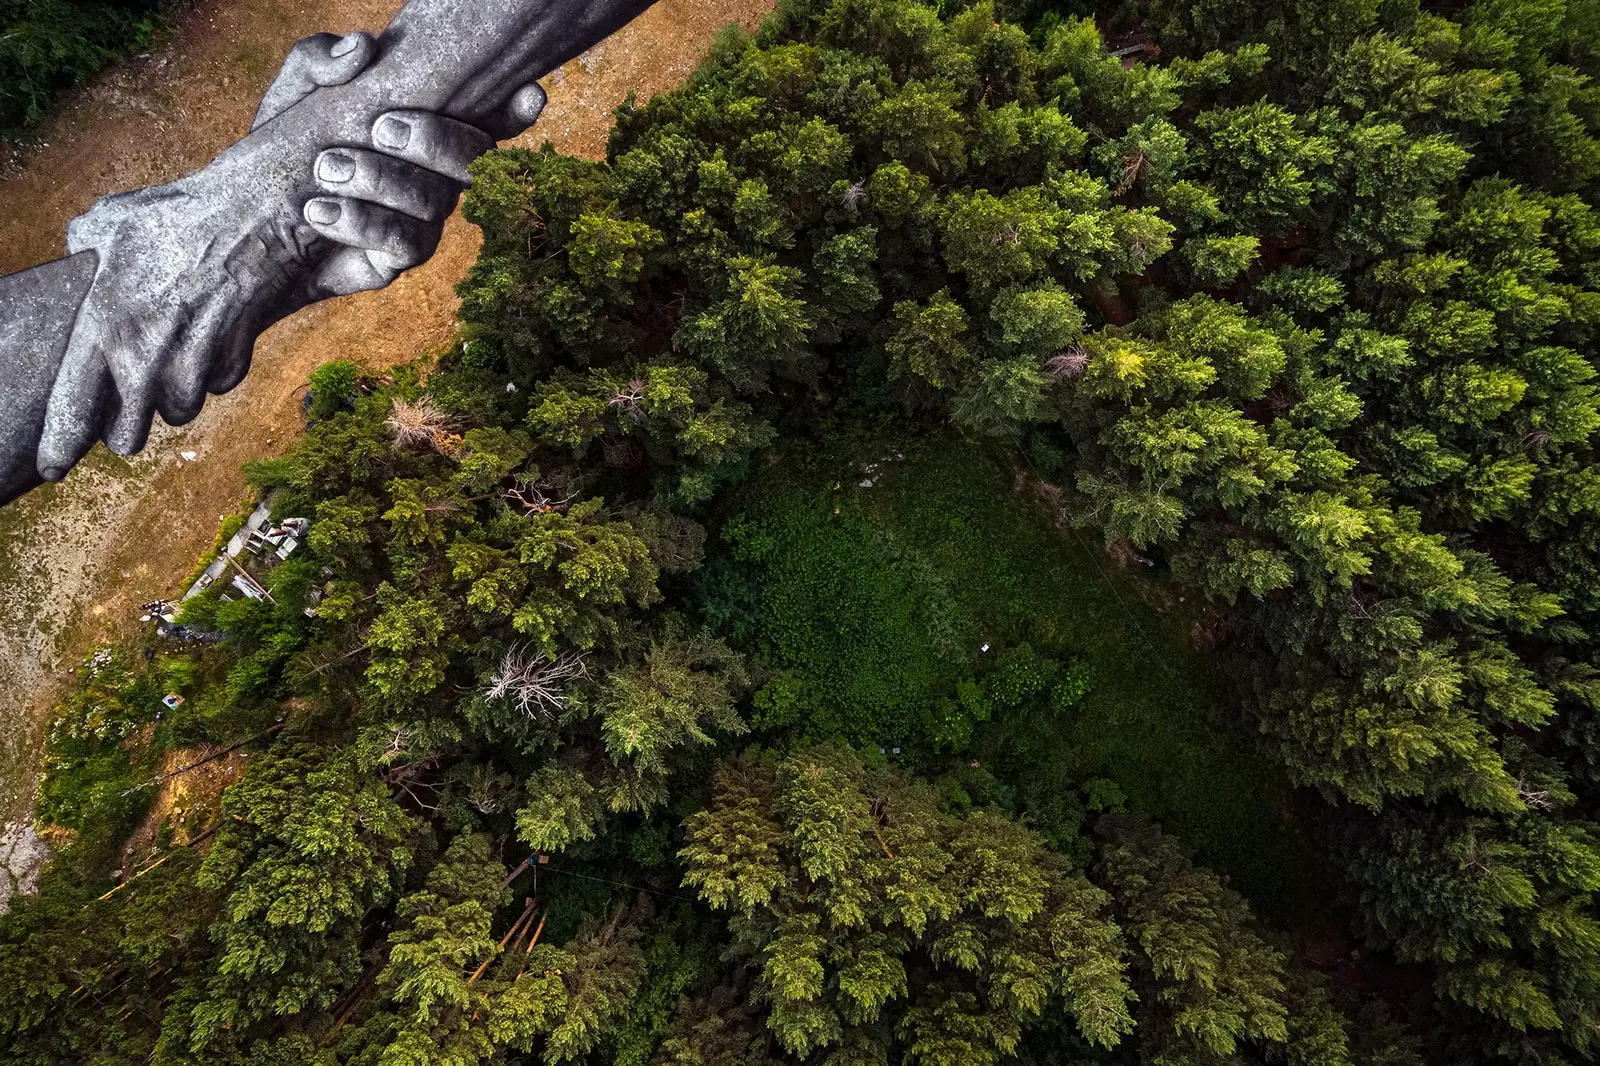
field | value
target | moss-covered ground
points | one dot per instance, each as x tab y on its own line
870	576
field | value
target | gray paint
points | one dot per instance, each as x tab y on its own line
37	308
171	285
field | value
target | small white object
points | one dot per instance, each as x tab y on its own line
511	386
984	648
894	751
867	484
188	457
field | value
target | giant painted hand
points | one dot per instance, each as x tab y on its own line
191	272
358	153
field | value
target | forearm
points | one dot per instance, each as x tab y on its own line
462	58
37	309
475	53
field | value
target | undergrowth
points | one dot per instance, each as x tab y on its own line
905	594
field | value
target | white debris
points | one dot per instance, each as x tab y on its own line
867	484
188	457
22	856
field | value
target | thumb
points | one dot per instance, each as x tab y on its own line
314	62
518	113
342	59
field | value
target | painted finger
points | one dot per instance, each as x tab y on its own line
403	240
386	241
440	144
316	61
232	362
342	60
137	363
75	411
520	112
350	270
181	389
130	426
358	174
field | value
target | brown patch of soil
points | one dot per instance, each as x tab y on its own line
76	559
190	800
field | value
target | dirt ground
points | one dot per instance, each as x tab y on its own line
76	559
189	798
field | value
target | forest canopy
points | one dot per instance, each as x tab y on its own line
603	741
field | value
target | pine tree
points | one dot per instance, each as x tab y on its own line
1209	983
852	893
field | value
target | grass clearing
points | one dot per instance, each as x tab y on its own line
872	574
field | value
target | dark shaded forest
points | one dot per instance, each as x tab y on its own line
975	536
47	46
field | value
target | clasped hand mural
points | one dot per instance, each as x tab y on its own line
356	157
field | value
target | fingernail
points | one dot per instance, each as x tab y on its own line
335	166
52	473
392	132
345	45
528	102
323	212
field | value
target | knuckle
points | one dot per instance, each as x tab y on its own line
394	184
430	142
455	144
404	244
428	196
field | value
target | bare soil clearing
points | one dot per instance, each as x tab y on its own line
76	559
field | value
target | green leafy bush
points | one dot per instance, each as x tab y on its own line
102	754
50	45
333	386
859	628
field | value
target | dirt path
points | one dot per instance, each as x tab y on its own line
76	559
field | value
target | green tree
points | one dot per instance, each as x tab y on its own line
846	894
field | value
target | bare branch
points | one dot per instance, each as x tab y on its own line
534	683
1068	364
1537	798
536	498
1130	171
630	399
419	422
